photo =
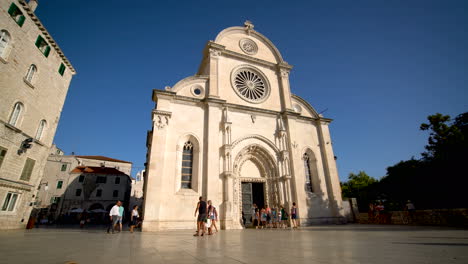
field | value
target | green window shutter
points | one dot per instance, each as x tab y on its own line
38	41
2	155
61	69
21	20
12	9
47	51
27	169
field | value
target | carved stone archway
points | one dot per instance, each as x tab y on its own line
269	173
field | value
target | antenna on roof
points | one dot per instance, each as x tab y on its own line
326	109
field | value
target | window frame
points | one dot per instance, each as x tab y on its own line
187	170
2	157
15	116
59	184
4	34
41	129
28	169
115	193
117	180
64	167
7	204
30	74
43	46
78	192
16	14
81	178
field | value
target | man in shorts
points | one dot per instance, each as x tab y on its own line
202	214
114	217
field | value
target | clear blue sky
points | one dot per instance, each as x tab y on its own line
379	67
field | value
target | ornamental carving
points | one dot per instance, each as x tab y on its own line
215	53
284	73
248	46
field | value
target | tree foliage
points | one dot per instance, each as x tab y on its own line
437	180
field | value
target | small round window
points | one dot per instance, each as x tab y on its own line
197	90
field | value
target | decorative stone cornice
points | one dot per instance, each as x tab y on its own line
15	185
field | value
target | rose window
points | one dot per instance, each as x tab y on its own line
250	85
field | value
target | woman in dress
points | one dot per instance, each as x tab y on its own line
257	218
134	218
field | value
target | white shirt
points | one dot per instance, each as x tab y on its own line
114	210
135	213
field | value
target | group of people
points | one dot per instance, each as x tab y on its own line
379	215
267	217
207	217
116	216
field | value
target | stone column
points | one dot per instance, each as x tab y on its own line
154	187
285	94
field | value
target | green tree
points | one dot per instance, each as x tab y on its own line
359	186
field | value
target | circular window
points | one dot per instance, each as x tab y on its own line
297	108
248	46
250	85
197	90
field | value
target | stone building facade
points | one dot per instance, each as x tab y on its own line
58	187
136	196
235	134
34	80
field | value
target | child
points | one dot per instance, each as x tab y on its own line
263	217
273	217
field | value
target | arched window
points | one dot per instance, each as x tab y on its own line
308	172
15	115
4	42
187	165
41	129
31	72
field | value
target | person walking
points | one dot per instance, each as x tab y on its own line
201	209
213	215
134	218
254	212
294	215
121	215
114	217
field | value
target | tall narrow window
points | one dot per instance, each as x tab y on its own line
4	42
59	184
64	167
27	169
15	115
308	172
3	152
78	192
30	74
115	193
16	14
40	129
187	165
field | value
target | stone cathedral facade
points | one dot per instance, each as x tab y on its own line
235	134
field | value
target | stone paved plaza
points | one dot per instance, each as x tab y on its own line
320	244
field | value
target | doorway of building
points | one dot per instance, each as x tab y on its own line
252	193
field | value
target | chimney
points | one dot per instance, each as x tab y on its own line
33	5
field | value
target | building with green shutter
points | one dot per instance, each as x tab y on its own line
34	80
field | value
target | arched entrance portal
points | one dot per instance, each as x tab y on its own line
256	180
